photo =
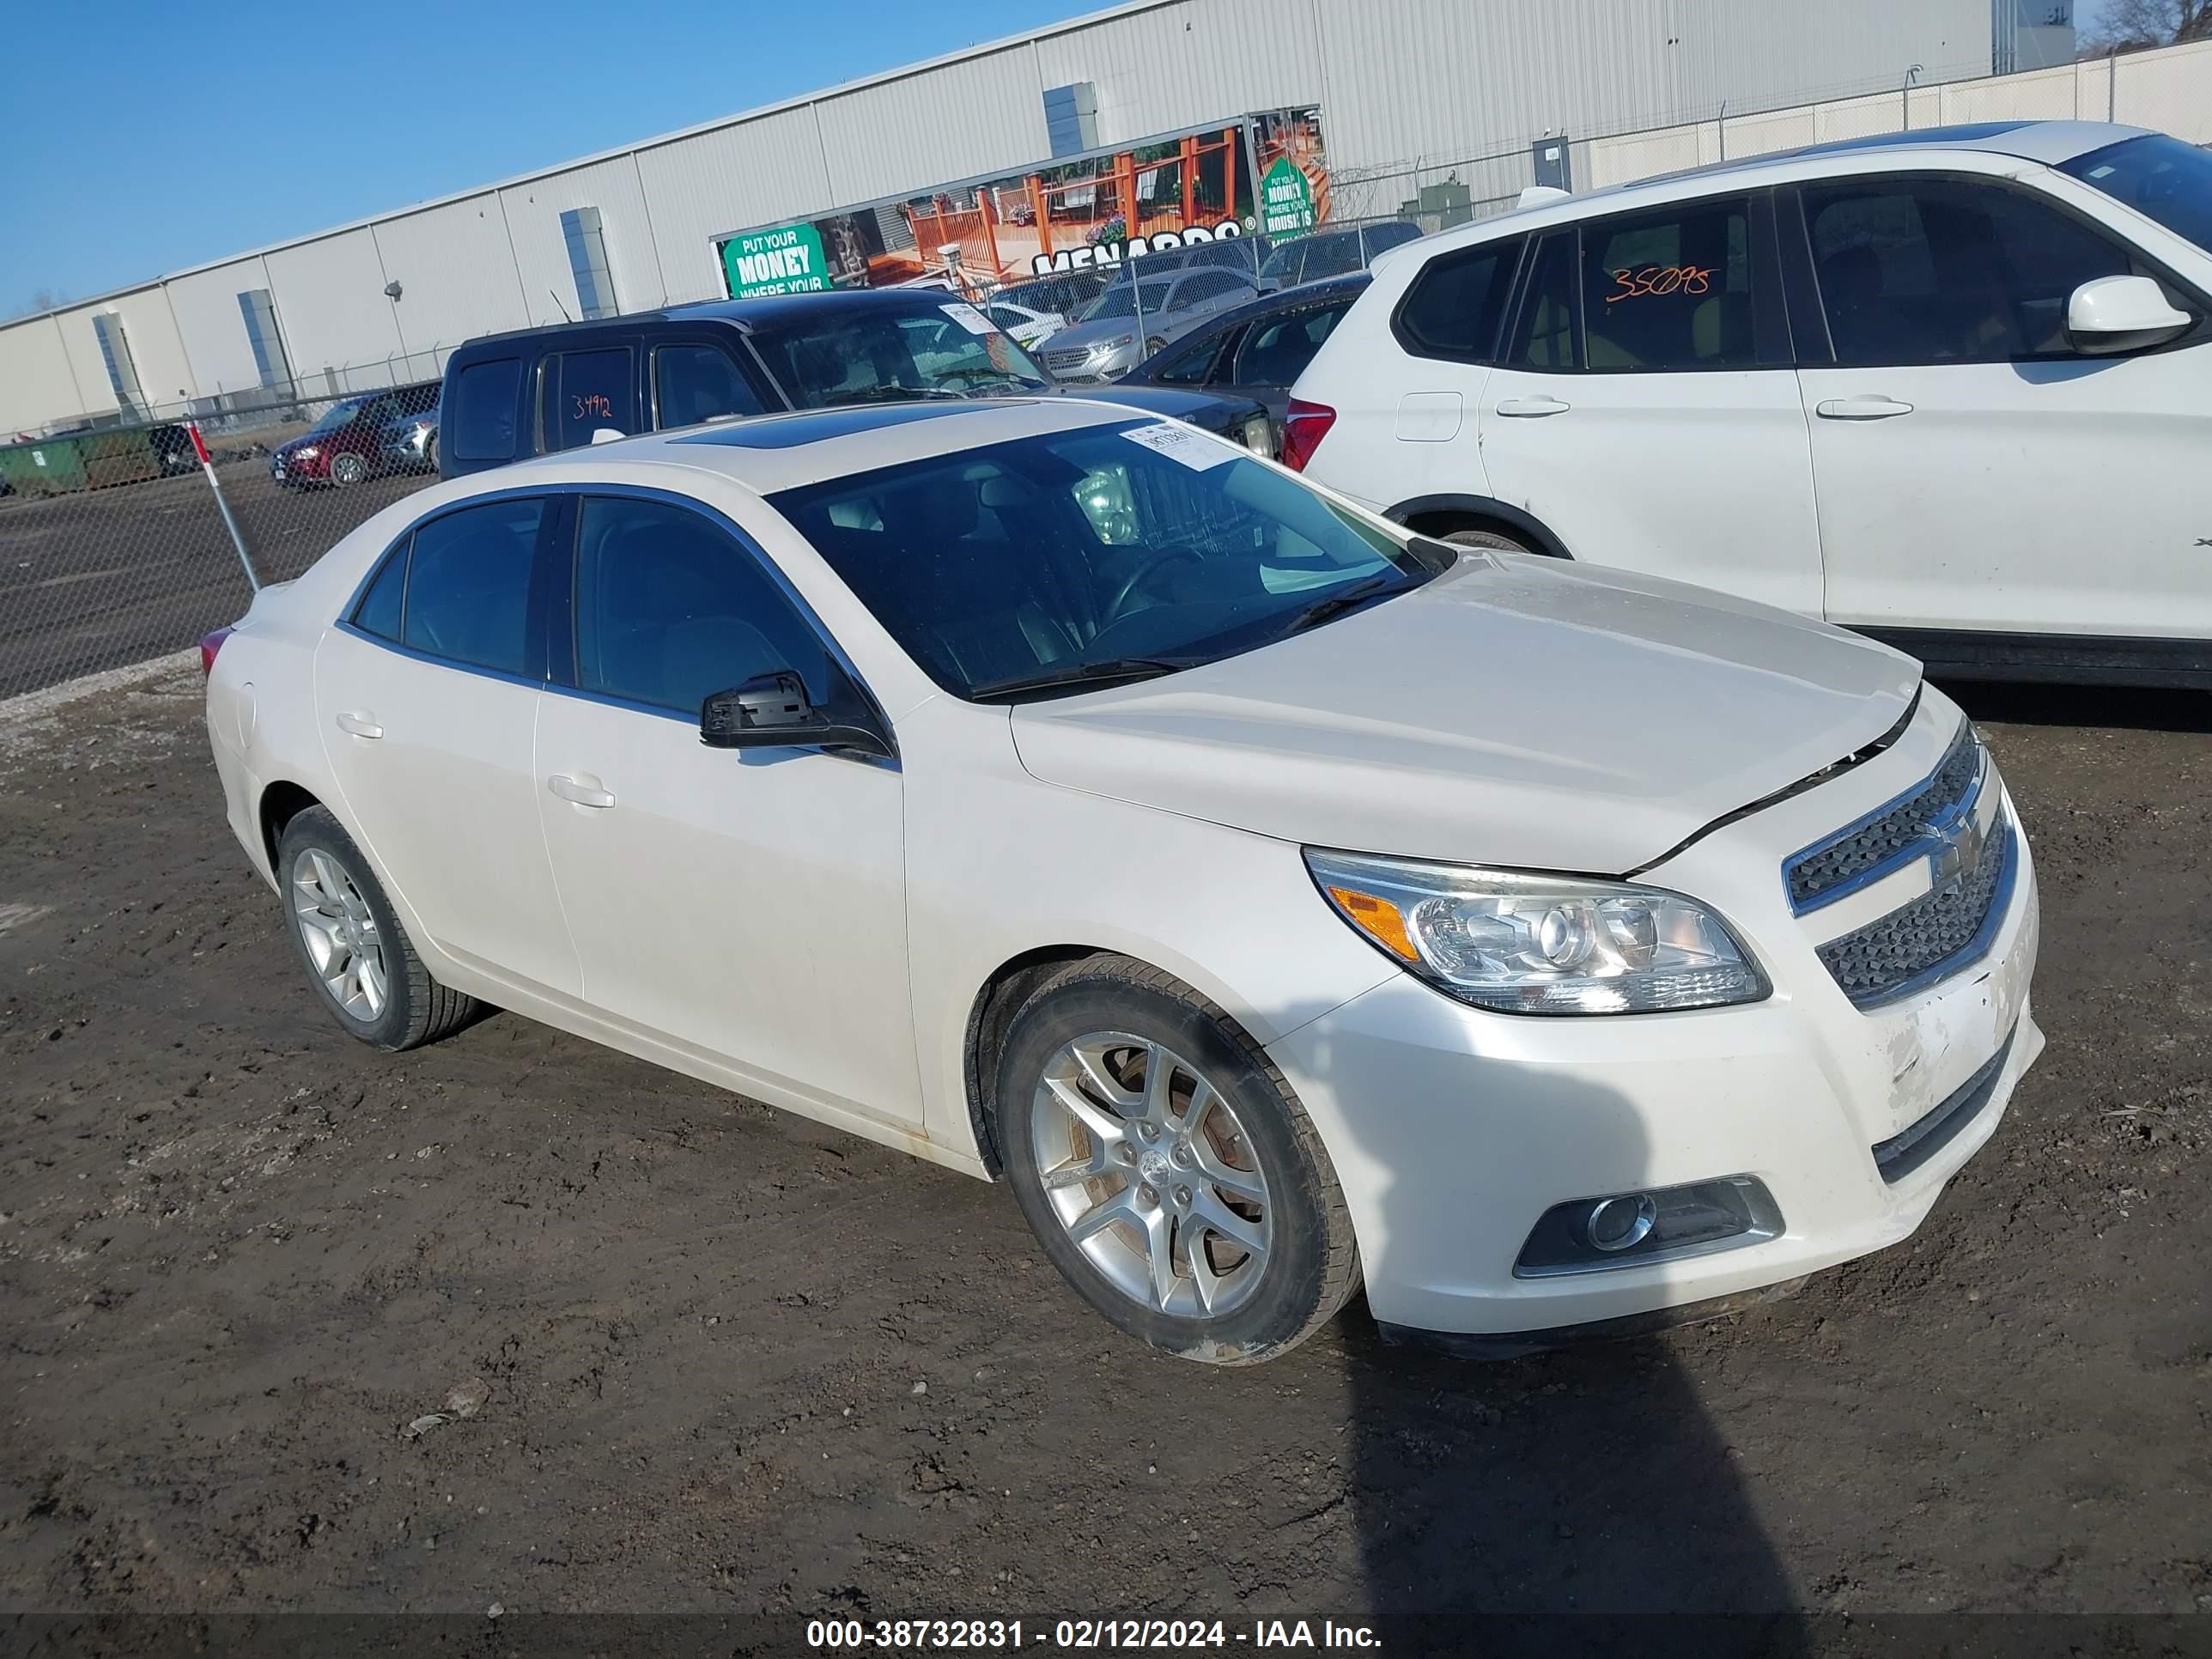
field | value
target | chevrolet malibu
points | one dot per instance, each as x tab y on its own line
1281	904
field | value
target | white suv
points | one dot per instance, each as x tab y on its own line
1953	388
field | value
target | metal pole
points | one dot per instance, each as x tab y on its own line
222	506
1905	96
2112	84
1720	123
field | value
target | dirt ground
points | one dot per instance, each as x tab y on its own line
733	1363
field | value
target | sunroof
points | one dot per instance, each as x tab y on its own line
812	426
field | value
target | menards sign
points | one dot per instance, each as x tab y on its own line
1265	173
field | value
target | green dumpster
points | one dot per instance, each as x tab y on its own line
51	466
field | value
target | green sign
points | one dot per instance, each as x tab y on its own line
786	260
1287	203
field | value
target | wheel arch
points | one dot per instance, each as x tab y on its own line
280	802
1436	514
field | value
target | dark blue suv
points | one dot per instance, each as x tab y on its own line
537	391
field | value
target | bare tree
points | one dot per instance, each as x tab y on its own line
45	299
2135	25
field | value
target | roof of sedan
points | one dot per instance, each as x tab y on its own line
771	453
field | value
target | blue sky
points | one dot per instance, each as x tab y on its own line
142	137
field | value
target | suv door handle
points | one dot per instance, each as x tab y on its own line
1876	408
1533	407
583	791
361	723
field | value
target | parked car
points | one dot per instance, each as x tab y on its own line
1116	814
1246	254
1950	387
541	390
348	445
1062	295
1131	320
411	441
1258	349
1332	253
1029	329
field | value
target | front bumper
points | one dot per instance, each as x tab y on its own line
1453	1129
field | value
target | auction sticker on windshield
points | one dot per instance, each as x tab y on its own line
1186	444
970	319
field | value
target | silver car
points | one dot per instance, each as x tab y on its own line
1131	320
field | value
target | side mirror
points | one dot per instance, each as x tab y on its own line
773	711
2122	314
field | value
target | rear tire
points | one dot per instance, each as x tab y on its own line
1497	540
346	935
1167	1169
347	471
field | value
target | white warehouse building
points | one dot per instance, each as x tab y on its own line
986	149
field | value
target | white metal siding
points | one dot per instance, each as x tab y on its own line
206	306
1194	61
36	384
331	304
979	115
455	271
754	174
533	219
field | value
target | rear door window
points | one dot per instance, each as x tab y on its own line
1456	306
468	586
480	425
695	383
582	391
1546	334
1670	289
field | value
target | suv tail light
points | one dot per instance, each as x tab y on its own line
210	644
1302	431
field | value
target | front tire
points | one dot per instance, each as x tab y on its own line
1167	1169
347	937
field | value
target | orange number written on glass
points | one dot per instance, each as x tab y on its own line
1653	280
597	404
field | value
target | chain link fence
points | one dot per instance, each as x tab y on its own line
113	542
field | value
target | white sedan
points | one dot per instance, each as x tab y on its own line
1277	901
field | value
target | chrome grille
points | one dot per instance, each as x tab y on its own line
1938	933
1060	361
1822	874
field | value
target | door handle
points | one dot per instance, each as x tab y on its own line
583	791
1533	408
359	723
1861	408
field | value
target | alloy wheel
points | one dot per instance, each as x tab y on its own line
1145	1164
341	935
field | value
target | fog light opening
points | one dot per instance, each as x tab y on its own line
1621	1222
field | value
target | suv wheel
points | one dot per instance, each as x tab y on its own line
348	469
1167	1169
1472	536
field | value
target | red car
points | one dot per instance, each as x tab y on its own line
348	445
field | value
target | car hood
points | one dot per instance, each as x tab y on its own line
1097	333
1513	711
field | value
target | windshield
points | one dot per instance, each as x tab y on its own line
1123	301
1139	547
881	354
338	415
2158	176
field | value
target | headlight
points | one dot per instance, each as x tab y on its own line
1259	436
1540	945
307	453
1114	345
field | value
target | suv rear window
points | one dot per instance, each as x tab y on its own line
1456	305
480	425
582	392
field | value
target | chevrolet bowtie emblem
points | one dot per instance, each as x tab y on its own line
1955	849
